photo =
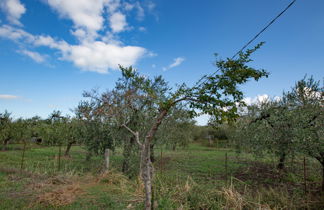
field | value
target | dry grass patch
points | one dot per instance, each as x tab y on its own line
60	197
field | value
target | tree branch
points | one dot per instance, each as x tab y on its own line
136	134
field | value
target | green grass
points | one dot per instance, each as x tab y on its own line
191	178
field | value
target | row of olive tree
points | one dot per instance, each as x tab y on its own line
291	125
140	112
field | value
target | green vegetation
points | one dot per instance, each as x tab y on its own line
136	146
189	178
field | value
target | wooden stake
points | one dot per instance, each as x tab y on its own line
161	169
59	158
226	175
23	157
305	177
107	159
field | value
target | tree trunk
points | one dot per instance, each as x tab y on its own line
59	158
128	147
281	164
5	143
152	153
146	165
147	174
68	148
88	156
107	159
321	160
322	176
174	147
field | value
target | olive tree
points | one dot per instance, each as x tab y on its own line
6	131
306	100
270	129
93	132
218	95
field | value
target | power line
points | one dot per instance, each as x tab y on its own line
254	38
265	28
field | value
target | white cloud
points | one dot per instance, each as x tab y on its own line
202	120
8	97
113	5
257	99
128	6
137	6
88	15
176	62
140	11
14	9
118	22
151	6
99	48
95	56
100	57
84	13
15	34
34	55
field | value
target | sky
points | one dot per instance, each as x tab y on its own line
53	50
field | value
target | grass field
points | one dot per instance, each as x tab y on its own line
196	177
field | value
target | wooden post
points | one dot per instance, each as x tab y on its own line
59	158
107	159
23	157
209	140
305	177
226	175
161	169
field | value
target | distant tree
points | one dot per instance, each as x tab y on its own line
93	131
175	131
270	130
74	134
6	131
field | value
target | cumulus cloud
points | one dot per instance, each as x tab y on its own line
14	9
99	56
256	99
98	48
83	13
118	22
176	62
15	34
96	56
33	55
135	6
8	97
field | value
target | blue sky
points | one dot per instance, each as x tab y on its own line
53	50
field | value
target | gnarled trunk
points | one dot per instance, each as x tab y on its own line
68	148
147	173
152	157
322	176
321	160
5	143
146	165
282	159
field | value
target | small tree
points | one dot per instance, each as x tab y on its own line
270	129
306	100
93	131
